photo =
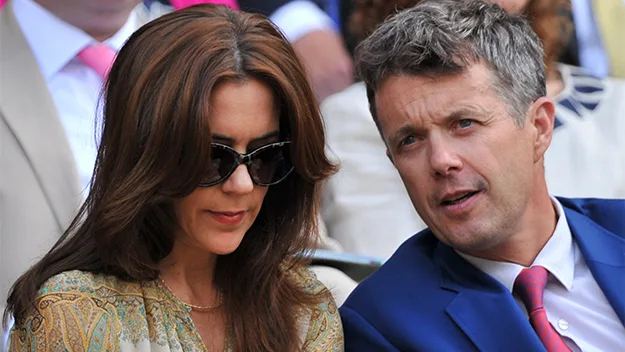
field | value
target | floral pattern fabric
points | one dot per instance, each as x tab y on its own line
80	311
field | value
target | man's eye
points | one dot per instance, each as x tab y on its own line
465	123
407	141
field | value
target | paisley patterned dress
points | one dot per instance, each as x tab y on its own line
80	311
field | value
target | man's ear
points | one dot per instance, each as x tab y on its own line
543	113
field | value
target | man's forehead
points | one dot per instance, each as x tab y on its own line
403	94
476	75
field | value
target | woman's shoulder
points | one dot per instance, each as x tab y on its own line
90	299
321	324
87	310
307	280
83	283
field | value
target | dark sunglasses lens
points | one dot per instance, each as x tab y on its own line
271	164
222	162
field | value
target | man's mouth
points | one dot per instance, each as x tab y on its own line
459	198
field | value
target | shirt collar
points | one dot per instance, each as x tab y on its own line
39	25
557	256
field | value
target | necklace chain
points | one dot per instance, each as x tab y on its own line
193	306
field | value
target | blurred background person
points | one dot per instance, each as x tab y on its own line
597	44
365	206
54	55
316	39
203	197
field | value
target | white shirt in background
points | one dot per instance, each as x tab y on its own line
74	86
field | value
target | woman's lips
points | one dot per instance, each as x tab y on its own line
228	218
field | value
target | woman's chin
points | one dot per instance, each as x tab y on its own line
223	247
223	251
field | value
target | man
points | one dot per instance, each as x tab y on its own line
588	143
457	90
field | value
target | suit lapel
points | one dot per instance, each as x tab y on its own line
604	253
483	308
30	114
487	313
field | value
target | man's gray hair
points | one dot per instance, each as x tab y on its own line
442	37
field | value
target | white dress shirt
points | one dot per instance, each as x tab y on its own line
74	86
576	307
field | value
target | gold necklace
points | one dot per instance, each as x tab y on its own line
193	306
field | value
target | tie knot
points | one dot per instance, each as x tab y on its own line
99	57
530	286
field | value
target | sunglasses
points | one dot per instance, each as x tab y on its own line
267	165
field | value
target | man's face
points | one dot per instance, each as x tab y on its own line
467	165
99	18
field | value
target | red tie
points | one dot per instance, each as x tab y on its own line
530	286
99	57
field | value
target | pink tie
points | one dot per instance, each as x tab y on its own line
2	2
530	287
99	57
181	4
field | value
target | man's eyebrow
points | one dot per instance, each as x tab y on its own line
465	112
404	130
457	114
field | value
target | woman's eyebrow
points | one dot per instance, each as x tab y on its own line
262	140
220	138
266	137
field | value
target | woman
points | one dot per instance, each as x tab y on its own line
204	192
585	158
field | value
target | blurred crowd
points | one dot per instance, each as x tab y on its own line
55	56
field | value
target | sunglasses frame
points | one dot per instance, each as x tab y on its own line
246	159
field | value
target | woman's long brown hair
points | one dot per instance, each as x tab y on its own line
155	148
550	19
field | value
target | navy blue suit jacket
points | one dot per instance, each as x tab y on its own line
428	298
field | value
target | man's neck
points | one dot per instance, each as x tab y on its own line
536	227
